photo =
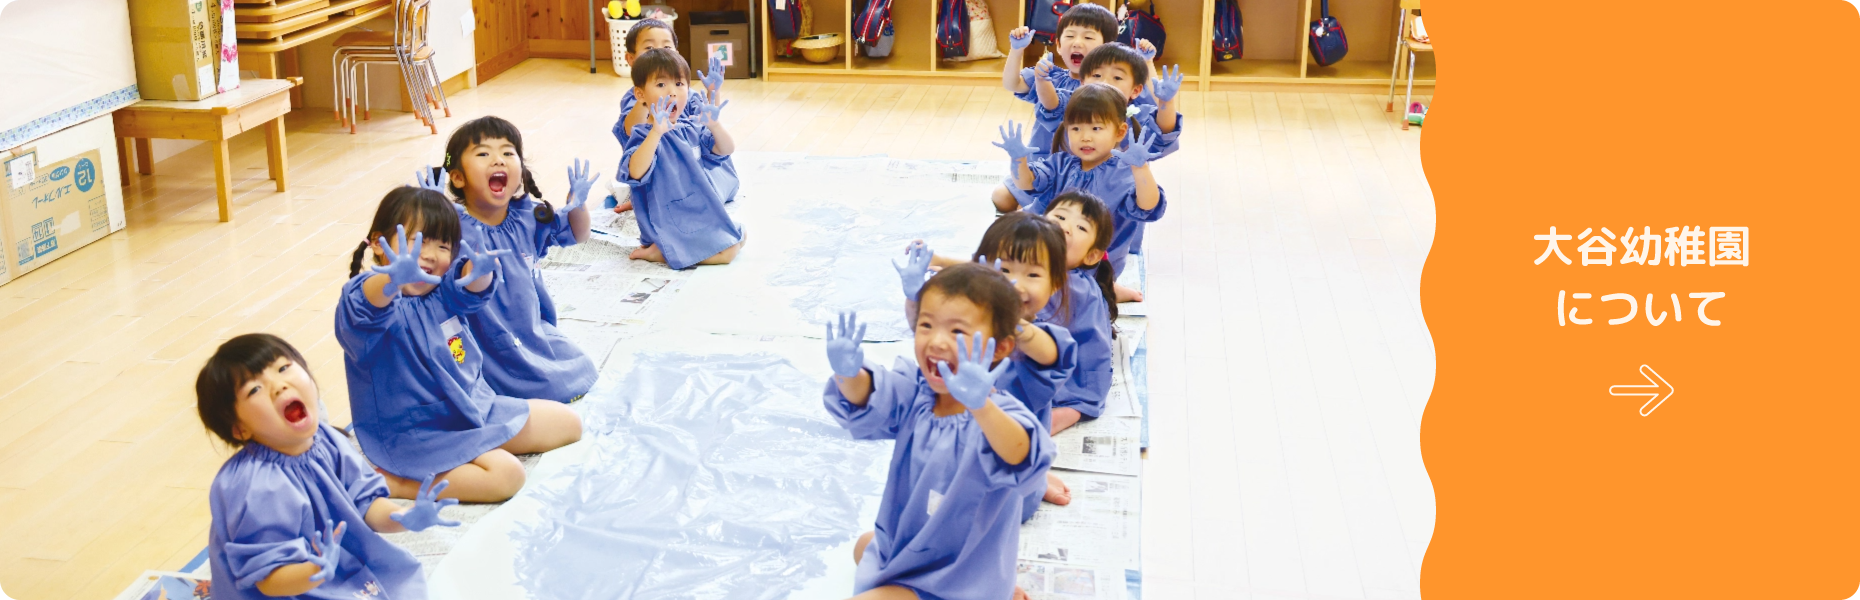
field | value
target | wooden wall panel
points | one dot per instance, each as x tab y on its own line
502	36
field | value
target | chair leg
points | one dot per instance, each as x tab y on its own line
365	103
335	88
1408	100
438	86
416	103
1400	25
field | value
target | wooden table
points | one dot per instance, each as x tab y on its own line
257	103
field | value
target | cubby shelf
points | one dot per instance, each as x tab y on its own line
1275	51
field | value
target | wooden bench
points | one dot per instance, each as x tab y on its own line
215	120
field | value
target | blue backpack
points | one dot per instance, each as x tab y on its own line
785	19
872	22
952	28
1228	38
1043	18
1327	42
1141	25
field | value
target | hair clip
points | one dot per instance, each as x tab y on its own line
1131	110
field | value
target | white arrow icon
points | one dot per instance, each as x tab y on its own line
1657	390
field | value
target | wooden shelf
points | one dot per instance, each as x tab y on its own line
1276	53
302	36
779	64
1250	69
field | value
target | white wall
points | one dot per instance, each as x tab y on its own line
55	54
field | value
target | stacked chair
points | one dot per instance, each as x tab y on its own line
405	46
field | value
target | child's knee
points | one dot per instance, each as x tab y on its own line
859	546
504	473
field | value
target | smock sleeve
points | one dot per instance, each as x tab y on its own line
1049	119
1045	168
1000	473
632	144
1036	378
885	411
554	233
1166	143
461	301
1127	206
364	485
1032	95
264	521
360	325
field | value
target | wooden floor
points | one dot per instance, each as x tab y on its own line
1288	360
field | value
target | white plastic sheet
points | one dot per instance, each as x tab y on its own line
815	249
711	476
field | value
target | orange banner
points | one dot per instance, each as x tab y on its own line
1656	399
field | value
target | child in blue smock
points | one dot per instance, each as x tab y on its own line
1082	29
296	513
1094	162
500	208
966	455
1151	106
420	403
1086	223
653	34
1031	252
680	210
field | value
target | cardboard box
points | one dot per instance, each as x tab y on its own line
176	48
62	208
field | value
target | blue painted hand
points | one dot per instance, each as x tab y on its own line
426	506
915	268
843	351
1136	152
579	182
403	264
483	262
973	381
328	548
1011	142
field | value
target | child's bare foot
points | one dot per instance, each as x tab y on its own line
624	206
399	487
1056	490
1125	294
650	253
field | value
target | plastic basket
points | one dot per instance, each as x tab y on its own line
616	36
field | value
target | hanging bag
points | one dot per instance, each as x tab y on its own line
1327	42
872	22
785	19
1228	40
1043	18
1139	24
952	28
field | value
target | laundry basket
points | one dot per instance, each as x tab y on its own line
616	34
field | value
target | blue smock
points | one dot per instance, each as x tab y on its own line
1089	322
1064	83
417	394
721	169
1035	385
949	523
525	356
1110	181
678	206
267	507
1165	143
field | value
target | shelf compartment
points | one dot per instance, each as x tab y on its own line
1254	69
913	40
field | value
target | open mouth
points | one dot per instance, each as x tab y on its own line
498	182
1076	59
296	413
1087	149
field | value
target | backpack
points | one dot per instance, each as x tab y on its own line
785	19
1228	38
1043	18
1327	42
872	22
952	28
1141	25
